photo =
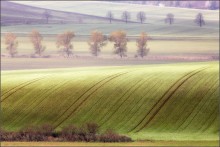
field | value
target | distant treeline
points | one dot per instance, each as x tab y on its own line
208	4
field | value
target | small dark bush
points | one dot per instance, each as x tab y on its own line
92	128
69	133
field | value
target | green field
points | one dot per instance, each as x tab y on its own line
146	102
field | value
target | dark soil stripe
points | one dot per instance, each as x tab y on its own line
195	80
113	77
43	98
209	118
128	90
22	87
99	101
135	106
165	101
202	97
139	108
19	86
154	108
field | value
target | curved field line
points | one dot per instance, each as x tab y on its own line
129	96
139	87
112	94
134	113
116	101
187	76
36	105
95	105
204	129
161	96
165	101
117	75
83	95
49	92
22	86
195	80
18	86
122	102
195	108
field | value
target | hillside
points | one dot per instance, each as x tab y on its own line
94	17
14	13
100	8
158	102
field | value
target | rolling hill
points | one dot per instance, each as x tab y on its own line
14	14
156	102
93	16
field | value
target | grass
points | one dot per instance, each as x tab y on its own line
155	102
140	143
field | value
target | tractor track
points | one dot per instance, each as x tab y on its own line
128	90
195	80
111	78
195	108
27	83
183	79
99	100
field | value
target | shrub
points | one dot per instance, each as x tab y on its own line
88	133
69	133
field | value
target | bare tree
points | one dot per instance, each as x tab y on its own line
141	43
110	16
47	15
64	41
11	43
120	42
170	18
36	39
199	20
96	42
141	16
126	16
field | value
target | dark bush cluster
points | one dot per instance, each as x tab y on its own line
88	133
31	133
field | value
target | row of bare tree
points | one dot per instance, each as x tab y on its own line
141	17
96	42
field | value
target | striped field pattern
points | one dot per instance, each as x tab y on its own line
160	102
